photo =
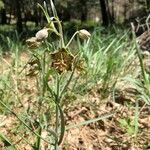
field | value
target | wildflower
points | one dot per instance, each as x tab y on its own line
42	34
84	34
32	42
62	60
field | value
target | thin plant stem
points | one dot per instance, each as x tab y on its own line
67	84
139	54
136	117
71	39
57	111
60	33
57	126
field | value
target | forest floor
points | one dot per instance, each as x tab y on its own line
116	130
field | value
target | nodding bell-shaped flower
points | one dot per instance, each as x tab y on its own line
42	34
33	43
84	34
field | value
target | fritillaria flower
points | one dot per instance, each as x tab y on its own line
42	34
32	42
84	34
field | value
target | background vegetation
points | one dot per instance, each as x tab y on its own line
20	12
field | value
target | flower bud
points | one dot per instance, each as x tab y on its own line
84	34
32	42
42	34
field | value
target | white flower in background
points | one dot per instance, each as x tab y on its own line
84	34
42	34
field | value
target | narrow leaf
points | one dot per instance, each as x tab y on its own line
45	13
53	9
89	121
62	123
5	140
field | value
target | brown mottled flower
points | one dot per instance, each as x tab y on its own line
62	60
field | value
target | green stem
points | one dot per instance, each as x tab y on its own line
16	61
45	13
67	84
60	32
136	118
57	111
71	39
39	139
57	126
139	55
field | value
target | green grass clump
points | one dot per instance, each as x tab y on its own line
108	57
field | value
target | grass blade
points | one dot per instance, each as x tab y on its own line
53	9
6	141
89	121
62	124
45	13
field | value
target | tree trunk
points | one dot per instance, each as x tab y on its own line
110	16
104	12
36	13
10	13
3	15
112	13
83	10
19	16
